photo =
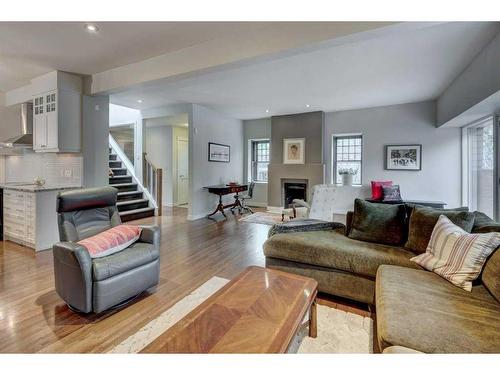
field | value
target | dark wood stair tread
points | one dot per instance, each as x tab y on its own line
132	201
121	193
123	185
136	214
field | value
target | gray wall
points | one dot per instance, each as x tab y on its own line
477	82
255	129
160	151
302	125
95	144
206	125
440	177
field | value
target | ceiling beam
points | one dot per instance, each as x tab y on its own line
273	41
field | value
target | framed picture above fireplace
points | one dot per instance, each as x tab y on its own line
294	150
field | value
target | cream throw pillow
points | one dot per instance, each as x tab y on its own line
456	255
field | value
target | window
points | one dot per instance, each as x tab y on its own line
347	152
260	160
479	167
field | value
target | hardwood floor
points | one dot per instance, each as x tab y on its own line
34	319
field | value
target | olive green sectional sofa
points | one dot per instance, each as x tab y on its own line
416	309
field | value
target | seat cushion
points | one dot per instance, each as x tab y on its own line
418	309
334	250
136	255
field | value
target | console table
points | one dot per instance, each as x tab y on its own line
222	190
433	204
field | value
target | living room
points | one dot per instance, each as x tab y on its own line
278	184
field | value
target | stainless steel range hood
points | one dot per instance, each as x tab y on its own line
25	137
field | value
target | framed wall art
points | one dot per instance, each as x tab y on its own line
403	157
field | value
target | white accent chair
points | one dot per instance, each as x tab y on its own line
321	207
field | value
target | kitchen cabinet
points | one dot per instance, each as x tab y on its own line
30	219
57	112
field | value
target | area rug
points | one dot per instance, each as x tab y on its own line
267	218
338	331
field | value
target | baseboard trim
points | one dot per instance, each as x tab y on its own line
256	204
197	217
274	210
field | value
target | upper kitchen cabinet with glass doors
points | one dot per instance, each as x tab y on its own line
57	112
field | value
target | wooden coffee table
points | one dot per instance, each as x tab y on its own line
260	311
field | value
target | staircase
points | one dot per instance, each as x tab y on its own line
132	204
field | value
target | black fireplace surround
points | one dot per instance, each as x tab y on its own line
294	190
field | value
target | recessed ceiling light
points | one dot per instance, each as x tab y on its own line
308	105
92	28
267	110
139	101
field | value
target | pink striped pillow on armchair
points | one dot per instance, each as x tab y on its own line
112	240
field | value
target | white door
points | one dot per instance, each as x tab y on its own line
182	171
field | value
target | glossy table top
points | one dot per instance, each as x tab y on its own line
258	312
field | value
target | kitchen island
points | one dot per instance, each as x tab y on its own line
29	214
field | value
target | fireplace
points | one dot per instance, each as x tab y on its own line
293	189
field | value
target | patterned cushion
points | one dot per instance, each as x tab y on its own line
111	241
456	255
391	193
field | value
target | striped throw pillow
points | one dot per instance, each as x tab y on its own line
112	240
456	255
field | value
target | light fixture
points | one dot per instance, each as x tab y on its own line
267	110
91	28
308	105
139	101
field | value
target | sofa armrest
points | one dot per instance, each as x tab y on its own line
150	234
303	225
348	222
73	275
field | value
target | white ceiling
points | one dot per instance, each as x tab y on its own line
30	49
407	66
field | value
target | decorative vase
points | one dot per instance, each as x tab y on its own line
347	179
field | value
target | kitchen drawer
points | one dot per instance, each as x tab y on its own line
14	220
30	222
30	198
30	207
15	203
16	231
30	236
14	194
17	210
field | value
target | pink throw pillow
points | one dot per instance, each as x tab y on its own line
377	190
112	240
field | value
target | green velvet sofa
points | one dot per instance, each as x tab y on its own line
416	309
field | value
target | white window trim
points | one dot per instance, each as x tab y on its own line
466	183
250	157
333	151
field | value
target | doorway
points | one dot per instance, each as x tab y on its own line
182	171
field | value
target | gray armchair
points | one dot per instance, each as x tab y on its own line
94	285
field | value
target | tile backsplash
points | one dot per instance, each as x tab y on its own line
56	169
